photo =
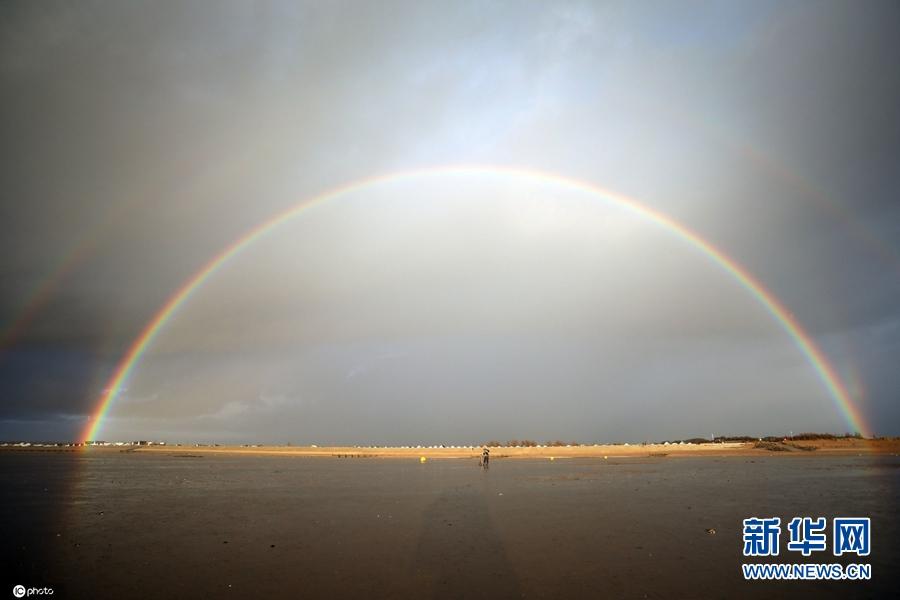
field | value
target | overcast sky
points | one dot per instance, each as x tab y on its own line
140	139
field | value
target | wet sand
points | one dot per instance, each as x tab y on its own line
192	524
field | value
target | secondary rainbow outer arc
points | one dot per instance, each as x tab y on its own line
42	294
801	339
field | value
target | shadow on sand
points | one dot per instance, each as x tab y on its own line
460	554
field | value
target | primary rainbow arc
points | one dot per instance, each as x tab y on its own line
807	346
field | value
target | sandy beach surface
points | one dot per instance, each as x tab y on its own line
189	522
786	447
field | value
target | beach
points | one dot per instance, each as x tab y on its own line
844	446
214	522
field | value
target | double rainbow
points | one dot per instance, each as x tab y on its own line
769	302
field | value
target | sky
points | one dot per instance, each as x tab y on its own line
139	140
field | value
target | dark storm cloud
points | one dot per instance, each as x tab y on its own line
143	138
46	383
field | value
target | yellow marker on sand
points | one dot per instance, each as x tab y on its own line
422	459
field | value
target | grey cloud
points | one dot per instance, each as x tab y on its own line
144	138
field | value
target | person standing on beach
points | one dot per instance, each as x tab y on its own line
485	457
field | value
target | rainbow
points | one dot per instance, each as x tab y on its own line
41	295
769	302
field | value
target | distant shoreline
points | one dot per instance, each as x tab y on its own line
808	448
